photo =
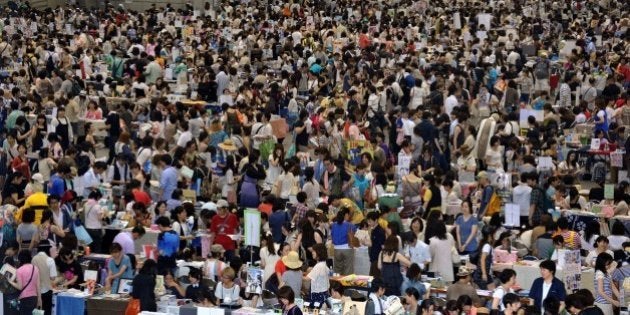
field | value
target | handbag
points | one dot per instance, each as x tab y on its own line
5	287
133	308
38	312
81	233
353	241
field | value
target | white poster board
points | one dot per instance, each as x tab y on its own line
525	113
512	215
404	161
252	227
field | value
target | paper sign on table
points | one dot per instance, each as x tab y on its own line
512	214
609	191
595	142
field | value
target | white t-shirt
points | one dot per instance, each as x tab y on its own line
499	293
319	278
184	138
545	288
231	294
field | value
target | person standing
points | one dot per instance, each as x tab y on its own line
606	293
222	226
547	286
47	275
144	286
27	282
377	239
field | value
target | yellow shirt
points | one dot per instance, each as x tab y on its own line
382	222
38	199
356	215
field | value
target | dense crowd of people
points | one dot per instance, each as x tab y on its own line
391	132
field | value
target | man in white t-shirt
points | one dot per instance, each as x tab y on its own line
417	250
521	195
185	136
261	130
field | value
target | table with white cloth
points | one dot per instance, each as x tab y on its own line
528	271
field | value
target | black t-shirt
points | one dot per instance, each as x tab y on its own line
113	120
12	189
69	271
302	137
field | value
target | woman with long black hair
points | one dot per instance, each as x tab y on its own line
144	286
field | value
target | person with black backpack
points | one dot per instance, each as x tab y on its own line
539	202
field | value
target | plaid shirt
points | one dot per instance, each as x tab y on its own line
300	211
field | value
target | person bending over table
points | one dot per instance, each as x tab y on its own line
119	267
547	286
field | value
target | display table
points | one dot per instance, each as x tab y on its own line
100	305
63	302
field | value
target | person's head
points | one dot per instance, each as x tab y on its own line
558	241
336	290
512	302
507	277
163	223
286	296
551	305
116	251
24	257
563	223
149	267
618	228
417	226
428	306
604	262
194	276
391	244
228	275
378	286
372	219
137	232
53	202
12	248
412	296
319	252
286	248
467	207
547	269
465	303
66	255
414	272
601	243
28	216
392	229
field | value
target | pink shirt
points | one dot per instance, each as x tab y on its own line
23	275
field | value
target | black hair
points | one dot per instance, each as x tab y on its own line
510	298
602	261
549	265
28	215
24	257
413	292
506	275
551	305
617	228
163	221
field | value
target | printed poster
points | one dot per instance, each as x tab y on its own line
254	280
570	263
404	162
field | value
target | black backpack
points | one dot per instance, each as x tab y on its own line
50	63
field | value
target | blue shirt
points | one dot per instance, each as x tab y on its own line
465	228
128	274
276	220
168	182
413	284
57	186
168	243
339	232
